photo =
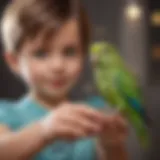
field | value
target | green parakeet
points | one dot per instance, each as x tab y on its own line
119	87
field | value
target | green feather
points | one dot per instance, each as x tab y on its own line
119	86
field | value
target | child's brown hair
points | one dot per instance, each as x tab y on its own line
27	18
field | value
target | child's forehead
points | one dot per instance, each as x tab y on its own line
68	33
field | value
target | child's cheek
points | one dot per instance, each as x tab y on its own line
76	73
76	70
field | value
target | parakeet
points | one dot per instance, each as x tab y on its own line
119	87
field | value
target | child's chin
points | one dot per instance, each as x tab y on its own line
57	93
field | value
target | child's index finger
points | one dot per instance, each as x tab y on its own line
91	113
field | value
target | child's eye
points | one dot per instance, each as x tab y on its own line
70	51
40	54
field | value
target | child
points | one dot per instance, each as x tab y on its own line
45	44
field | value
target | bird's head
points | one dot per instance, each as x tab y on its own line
103	53
97	49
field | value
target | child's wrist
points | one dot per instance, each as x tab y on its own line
47	130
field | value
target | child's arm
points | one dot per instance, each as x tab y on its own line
79	122
21	145
111	145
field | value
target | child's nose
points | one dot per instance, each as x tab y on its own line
57	63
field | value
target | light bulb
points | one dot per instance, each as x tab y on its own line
133	12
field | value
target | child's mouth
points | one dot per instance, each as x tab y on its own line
58	83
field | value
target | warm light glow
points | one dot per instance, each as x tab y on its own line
133	12
156	52
155	18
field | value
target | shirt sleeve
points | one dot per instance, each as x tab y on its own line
97	102
85	150
5	113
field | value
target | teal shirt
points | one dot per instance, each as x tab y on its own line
18	114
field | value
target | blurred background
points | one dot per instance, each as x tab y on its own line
133	26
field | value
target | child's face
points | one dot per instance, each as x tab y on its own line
54	71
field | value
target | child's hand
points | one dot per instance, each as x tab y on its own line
72	121
115	131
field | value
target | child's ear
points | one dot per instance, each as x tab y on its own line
12	61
